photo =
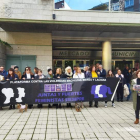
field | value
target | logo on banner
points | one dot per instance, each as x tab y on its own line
100	91
8	92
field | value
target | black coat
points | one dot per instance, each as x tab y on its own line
102	74
58	75
67	76
25	76
88	74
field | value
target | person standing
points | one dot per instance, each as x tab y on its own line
101	72
120	86
12	76
28	75
115	72
17	72
87	72
79	74
74	69
3	72
58	75
35	71
50	74
68	74
93	75
136	96
110	74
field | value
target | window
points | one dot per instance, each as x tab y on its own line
129	3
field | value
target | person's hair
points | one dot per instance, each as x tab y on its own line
60	71
74	66
16	67
108	75
29	71
40	70
119	70
49	70
137	72
36	70
13	74
92	68
77	70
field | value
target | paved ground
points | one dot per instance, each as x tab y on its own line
67	124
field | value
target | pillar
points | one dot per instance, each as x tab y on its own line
107	55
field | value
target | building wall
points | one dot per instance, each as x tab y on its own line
38	44
2	55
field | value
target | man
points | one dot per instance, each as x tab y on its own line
127	75
116	70
97	66
101	72
3	72
74	69
17	72
86	72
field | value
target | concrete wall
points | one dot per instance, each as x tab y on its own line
43	10
2	55
39	44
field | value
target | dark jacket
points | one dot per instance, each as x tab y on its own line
4	73
67	76
127	75
37	77
58	75
88	74
25	76
11	78
102	74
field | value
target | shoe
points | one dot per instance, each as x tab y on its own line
96	106
60	106
13	106
113	105
137	121
49	106
127	99
1	108
90	105
10	107
118	100
121	100
105	105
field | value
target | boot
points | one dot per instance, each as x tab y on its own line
67	104
10	107
13	106
70	105
137	121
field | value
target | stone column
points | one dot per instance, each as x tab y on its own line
107	55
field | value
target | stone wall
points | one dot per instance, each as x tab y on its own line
2	55
38	44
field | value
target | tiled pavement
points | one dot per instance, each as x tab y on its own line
67	124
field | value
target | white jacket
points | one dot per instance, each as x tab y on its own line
79	75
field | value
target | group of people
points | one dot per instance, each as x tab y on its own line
94	71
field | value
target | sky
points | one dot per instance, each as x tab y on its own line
83	4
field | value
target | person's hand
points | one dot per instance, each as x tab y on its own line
23	78
7	79
58	77
32	78
98	72
15	78
134	89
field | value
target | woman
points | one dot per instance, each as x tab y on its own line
68	74
93	75
136	96
110	74
58	75
40	75
35	71
28	75
120	86
79	74
12	76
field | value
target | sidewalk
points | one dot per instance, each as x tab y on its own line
67	124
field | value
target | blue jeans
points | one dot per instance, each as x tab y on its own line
128	97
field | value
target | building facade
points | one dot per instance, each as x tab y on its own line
39	38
